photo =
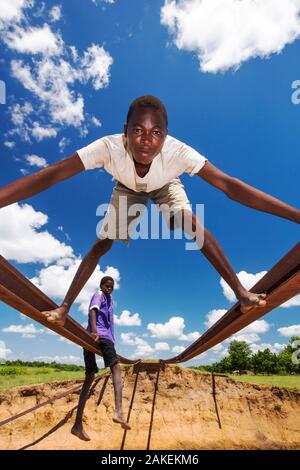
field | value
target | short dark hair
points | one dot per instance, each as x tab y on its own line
106	278
148	101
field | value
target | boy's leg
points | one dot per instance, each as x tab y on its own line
214	253
84	272
91	369
173	196
77	429
118	389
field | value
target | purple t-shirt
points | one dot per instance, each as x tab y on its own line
104	316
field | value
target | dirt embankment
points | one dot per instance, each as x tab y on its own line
186	410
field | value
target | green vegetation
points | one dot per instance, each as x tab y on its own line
240	358
15	373
285	381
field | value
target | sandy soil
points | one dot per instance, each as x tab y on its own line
189	410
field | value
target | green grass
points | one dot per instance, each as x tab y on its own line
14	376
286	381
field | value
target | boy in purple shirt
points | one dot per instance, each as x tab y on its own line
101	326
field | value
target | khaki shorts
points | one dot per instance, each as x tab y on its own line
121	217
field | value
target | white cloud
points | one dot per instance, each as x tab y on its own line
65	270
51	77
22	240
251	333
294	302
128	338
190	336
60	359
213	316
4	351
63	144
55	13
40	133
178	349
173	328
9	144
49	81
275	348
128	319
226	33
12	10
161	347
143	348
97	62
34	40
293	330
34	160
27	331
248	280
96	122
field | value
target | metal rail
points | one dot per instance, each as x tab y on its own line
281	283
18	292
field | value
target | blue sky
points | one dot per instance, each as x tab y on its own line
71	70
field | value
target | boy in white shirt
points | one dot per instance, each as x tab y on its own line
147	162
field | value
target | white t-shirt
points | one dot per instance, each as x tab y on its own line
174	159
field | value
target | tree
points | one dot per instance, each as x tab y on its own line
239	355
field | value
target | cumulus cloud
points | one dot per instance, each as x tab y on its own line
60	359
248	280
9	144
173	328
251	333
4	351
128	319
213	316
274	348
51	74
12	10
293	330
65	270
226	33
294	302
190	336
22	240
161	347
55	13
39	40
178	349
27	331
143	349
34	160
96	63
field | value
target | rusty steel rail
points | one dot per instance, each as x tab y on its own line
18	292
51	400
281	283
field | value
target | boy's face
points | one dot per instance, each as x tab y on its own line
107	287
146	133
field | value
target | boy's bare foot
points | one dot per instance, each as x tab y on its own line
79	432
120	420
58	315
248	300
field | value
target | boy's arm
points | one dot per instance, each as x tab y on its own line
43	179
245	194
94	333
